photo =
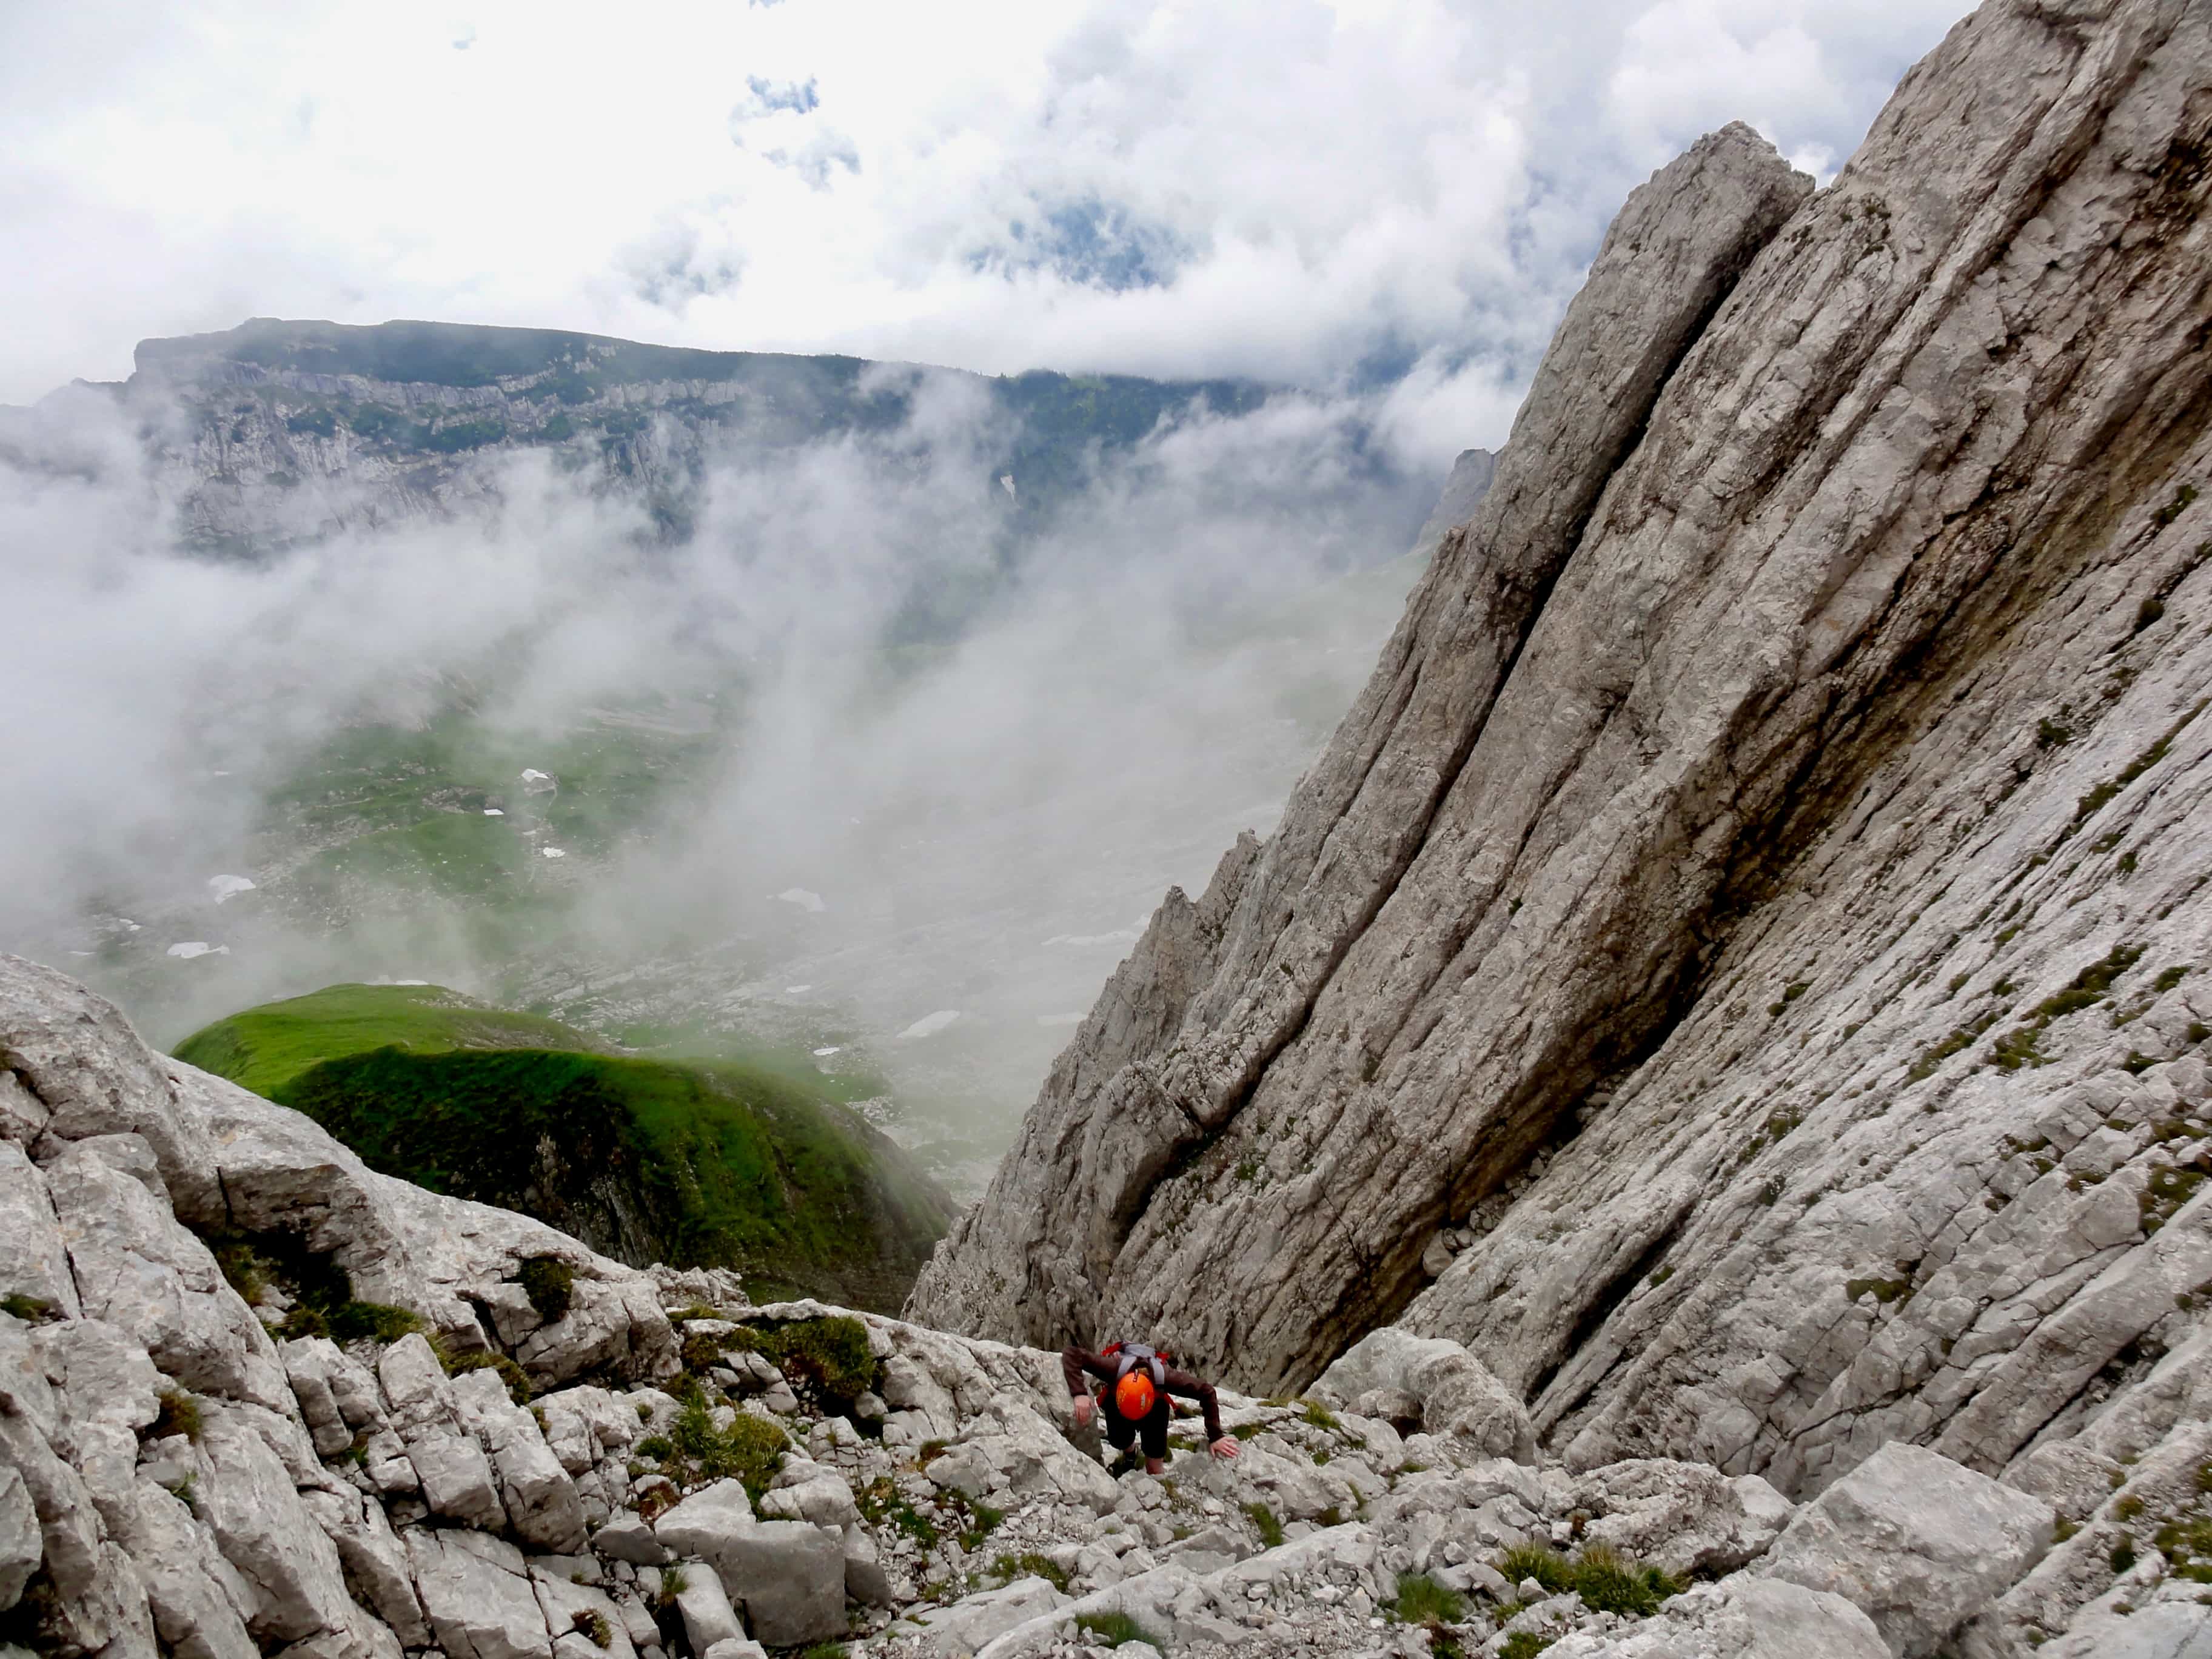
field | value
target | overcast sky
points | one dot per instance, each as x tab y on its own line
1315	193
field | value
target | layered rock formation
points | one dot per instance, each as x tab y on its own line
1469	481
277	432
524	1474
1740	968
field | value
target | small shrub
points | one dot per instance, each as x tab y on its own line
1422	1600
1111	1630
379	1321
1523	1645
832	1354
31	1309
179	1414
1319	1417
2123	1553
674	1584
747	1450
549	1283
658	1447
696	1310
702	1350
1263	1519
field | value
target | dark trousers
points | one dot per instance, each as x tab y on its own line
1121	1430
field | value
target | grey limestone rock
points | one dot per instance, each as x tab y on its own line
1755	902
1918	1543
1687	1518
1740	1618
1467	483
1454	1392
788	1575
477	1594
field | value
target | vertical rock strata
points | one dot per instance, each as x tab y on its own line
1738	966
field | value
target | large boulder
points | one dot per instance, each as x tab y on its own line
2171	1629
1688	1518
1740	1617
478	1593
788	1575
974	1620
1011	1448
1917	1542
1456	1392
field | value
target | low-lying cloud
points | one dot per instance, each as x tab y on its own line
980	816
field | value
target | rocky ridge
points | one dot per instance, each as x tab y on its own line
1739	969
646	1467
281	432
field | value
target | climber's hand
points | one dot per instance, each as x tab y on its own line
1083	1406
1226	1448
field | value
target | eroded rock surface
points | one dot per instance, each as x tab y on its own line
1740	969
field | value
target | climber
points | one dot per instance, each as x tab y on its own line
1138	1380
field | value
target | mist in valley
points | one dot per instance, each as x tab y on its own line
864	776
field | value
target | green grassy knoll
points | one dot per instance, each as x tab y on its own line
716	1163
266	1048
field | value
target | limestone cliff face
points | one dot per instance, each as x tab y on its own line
1740	966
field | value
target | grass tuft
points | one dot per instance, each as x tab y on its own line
1111	1630
1265	1521
1422	1600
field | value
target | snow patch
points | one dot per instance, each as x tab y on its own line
197	947
802	898
551	853
824	1053
493	812
930	1025
227	887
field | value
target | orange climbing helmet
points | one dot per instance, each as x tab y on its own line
1133	1396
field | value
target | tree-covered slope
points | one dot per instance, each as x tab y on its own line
704	1163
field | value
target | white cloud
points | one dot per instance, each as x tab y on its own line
1291	189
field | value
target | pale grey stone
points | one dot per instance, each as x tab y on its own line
1739	1618
624	1537
788	1575
479	1599
540	1500
1686	1518
21	1546
970	1623
248	1498
1458	1395
1916	1542
33	1261
705	1606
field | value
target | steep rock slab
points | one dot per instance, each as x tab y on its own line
1201	1012
1768	751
